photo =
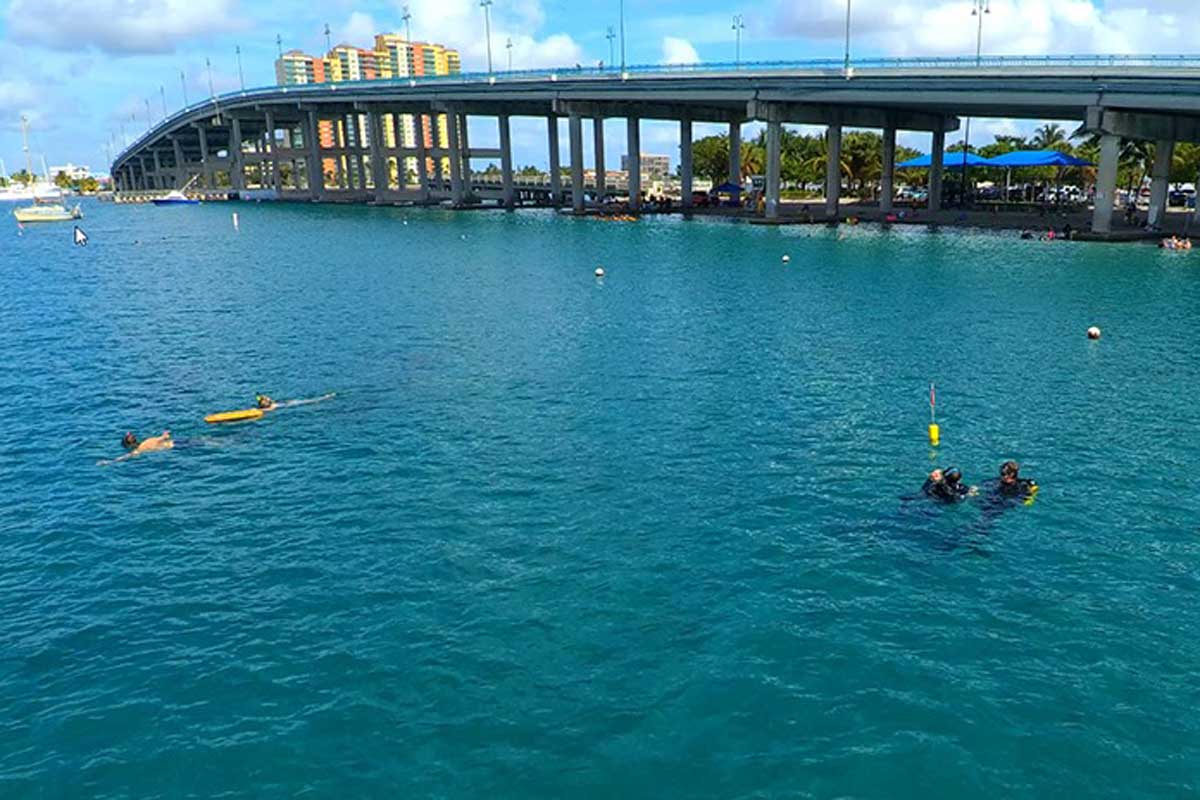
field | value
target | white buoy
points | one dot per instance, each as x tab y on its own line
599	272
1093	332
787	259
236	226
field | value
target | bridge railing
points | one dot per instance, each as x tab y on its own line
636	71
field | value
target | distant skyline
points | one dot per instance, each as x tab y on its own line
81	71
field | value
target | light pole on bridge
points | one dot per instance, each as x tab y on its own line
846	65
237	49
328	41
622	21
279	44
183	84
978	9
738	27
149	124
407	17
611	35
486	5
509	45
162	92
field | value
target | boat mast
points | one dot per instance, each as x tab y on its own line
25	147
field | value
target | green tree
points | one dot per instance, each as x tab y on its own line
22	177
62	181
710	157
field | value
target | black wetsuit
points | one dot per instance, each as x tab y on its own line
1001	496
945	492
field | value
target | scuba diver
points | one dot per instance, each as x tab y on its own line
946	486
1011	486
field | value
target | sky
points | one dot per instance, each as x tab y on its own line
83	71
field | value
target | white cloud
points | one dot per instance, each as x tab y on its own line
678	51
358	30
119	26
928	27
460	24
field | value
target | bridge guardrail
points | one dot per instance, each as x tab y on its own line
632	72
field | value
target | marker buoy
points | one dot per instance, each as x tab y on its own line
787	259
935	434
1093	332
236	226
599	272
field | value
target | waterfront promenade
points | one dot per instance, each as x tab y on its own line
271	137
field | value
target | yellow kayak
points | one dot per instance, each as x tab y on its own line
234	416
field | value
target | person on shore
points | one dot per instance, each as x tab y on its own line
946	486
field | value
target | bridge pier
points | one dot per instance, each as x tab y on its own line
601	174
887	175
237	163
506	164
456	160
158	176
273	144
937	156
1160	174
379	170
205	157
315	167
555	166
575	132
833	171
772	189
1106	183
685	162
422	170
634	130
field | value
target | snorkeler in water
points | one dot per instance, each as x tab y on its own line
946	486
265	402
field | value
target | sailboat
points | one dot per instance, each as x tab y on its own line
176	197
42	210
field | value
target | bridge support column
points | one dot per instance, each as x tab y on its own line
772	189
506	162
313	165
464	143
205	158
1160	174
273	143
887	176
555	166
937	156
833	171
145	178
159	180
1106	183
575	131
634	131
181	170
237	164
685	163
456	159
735	153
422	156
601	174
379	170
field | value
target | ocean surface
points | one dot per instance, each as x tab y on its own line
559	536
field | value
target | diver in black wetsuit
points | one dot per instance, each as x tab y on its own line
1011	487
946	486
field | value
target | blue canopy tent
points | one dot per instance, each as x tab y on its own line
728	188
1038	158
949	161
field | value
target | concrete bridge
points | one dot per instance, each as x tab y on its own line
272	137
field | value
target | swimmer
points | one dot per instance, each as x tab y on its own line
264	402
946	486
136	447
1011	484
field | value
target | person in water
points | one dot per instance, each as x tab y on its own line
946	486
1011	485
135	446
264	402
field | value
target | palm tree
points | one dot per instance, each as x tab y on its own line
1050	137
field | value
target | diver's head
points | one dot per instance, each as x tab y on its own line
129	441
1008	471
953	475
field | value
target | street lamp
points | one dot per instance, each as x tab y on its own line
847	63
183	84
279	44
509	46
622	8
486	5
162	91
407	17
611	35
738	27
328	42
149	124
978	9
241	78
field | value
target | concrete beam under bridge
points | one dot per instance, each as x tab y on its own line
849	116
1143	125
669	111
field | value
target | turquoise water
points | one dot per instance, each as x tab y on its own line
566	537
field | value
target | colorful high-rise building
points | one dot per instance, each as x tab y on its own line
393	57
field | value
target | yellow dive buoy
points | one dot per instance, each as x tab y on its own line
234	416
935	434
1033	490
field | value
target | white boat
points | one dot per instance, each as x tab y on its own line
47	212
176	197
